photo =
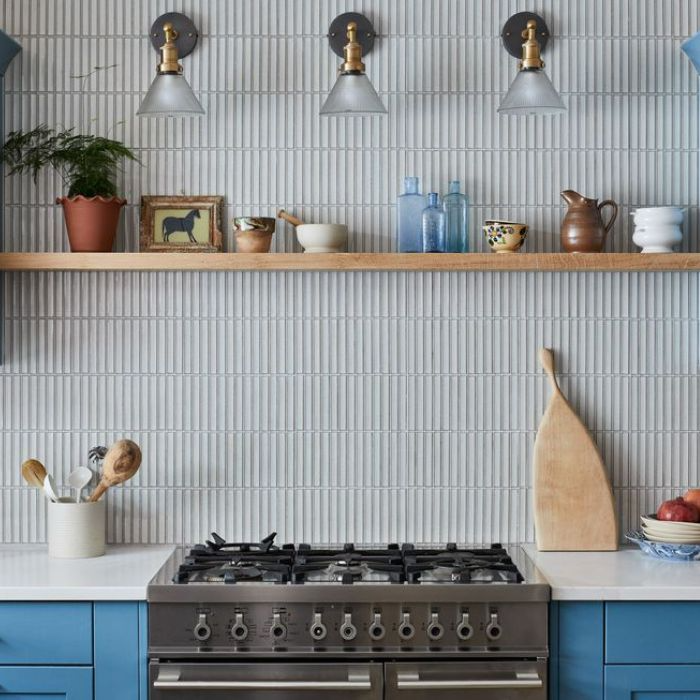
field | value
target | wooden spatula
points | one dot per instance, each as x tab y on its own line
573	500
121	462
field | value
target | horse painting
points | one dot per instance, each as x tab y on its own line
177	224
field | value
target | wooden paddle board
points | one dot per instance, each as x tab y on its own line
573	500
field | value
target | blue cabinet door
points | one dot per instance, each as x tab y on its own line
652	633
121	651
652	682
576	665
45	683
46	634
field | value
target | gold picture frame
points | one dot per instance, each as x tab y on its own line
175	224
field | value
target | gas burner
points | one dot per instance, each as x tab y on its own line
454	565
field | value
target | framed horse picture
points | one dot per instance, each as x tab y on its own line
181	224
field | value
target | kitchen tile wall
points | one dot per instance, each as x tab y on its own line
352	406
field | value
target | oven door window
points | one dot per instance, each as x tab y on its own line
477	680
274	681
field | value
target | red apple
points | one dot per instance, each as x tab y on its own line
692	496
678	510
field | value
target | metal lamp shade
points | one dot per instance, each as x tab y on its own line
170	96
532	92
352	95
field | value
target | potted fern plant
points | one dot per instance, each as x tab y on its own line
88	166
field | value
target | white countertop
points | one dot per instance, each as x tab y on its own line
627	574
123	573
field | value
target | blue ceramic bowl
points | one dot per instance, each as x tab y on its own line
665	550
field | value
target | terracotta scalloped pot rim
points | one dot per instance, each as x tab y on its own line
91	222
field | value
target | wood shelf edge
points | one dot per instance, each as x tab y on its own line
518	262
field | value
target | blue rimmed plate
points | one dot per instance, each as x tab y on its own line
665	550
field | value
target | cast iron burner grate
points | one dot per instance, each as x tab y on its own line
218	561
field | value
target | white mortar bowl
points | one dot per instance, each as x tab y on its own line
322	238
76	530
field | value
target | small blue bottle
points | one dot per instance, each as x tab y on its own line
410	209
457	212
434	225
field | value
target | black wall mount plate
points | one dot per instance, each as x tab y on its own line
338	32
187	34
512	33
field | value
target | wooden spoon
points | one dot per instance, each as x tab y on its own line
34	473
282	214
122	461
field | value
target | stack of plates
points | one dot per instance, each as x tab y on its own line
656	530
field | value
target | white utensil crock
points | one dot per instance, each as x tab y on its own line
322	238
76	530
658	229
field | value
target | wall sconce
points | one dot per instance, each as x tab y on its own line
174	36
353	94
532	91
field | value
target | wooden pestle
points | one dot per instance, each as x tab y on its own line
282	214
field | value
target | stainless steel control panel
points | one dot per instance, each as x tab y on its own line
310	627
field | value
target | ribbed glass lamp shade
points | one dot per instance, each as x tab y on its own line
532	92
170	96
353	95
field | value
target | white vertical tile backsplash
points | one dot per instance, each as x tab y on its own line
352	406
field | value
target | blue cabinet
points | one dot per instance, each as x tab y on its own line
625	651
652	682
73	651
45	682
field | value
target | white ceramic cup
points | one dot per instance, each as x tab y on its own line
76	530
322	238
658	229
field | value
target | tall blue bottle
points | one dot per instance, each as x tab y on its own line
410	209
457	212
434	225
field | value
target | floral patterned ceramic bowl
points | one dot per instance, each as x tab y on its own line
505	236
665	550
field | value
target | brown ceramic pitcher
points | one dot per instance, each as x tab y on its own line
583	230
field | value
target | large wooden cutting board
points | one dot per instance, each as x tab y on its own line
574	507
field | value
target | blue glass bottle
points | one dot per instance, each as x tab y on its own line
410	209
434	225
457	212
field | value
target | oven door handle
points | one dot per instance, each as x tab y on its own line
412	681
170	681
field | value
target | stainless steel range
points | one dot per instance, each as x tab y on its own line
262	622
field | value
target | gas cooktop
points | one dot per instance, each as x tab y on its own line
219	561
199	570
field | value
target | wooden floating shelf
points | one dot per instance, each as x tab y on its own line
516	262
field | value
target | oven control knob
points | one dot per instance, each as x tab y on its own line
464	629
348	631
406	629
435	630
377	629
318	630
494	629
277	630
239	630
202	631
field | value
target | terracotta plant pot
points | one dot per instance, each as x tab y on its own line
91	222
253	233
